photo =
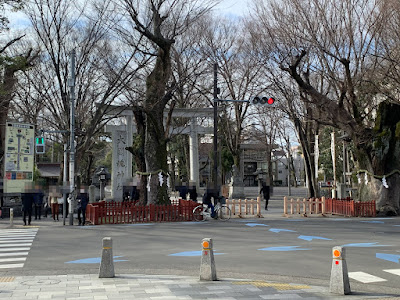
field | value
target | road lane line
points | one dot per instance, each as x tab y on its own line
365	277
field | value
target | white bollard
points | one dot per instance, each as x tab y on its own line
107	261
11	217
207	267
339	283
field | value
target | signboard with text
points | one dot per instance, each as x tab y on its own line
19	156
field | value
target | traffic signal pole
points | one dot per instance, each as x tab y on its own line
71	84
253	100
215	140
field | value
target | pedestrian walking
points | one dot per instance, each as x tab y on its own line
27	203
46	205
53	199
83	200
55	212
38	201
265	192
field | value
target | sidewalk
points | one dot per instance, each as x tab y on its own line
152	287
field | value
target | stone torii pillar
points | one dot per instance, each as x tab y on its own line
121	174
122	136
194	153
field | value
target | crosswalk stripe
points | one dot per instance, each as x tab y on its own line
8	254
20	230
15	244
10	266
15	249
16	241
19	238
393	271
365	277
18	234
13	259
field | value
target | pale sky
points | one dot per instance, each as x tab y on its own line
226	8
233	7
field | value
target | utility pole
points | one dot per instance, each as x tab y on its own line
71	84
288	176
65	180
215	140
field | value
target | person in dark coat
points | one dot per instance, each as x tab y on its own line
38	201
207	200
27	203
193	194
265	192
83	200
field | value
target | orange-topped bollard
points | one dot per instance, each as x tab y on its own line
339	283
207	267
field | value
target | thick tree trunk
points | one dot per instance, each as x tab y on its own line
381	157
308	159
387	199
155	140
137	150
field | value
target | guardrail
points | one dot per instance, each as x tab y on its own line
346	207
245	207
129	212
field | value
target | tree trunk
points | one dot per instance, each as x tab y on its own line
155	140
137	150
5	99
308	160
380	157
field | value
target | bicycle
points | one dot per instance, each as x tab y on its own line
203	212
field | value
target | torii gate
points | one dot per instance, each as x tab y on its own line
122	135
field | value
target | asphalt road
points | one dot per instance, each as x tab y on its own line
271	248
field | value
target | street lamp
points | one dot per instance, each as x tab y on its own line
102	178
260	173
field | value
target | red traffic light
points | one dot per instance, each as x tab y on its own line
262	100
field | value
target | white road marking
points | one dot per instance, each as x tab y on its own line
365	277
15	241
11	266
8	254
13	259
15	249
31	238
393	271
16	245
26	236
18	230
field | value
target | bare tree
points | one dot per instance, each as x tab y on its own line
331	49
159	22
11	63
58	27
228	43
